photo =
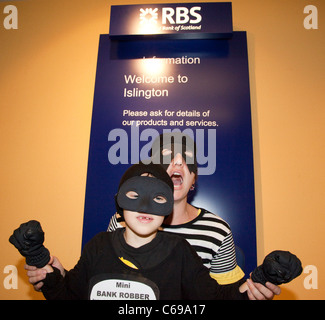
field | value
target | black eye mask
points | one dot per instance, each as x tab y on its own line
149	192
174	143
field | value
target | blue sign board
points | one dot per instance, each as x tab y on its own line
147	86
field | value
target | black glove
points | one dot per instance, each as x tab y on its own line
278	267
28	239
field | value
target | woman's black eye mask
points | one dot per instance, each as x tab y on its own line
147	190
175	143
173	150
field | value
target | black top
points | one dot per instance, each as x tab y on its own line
178	272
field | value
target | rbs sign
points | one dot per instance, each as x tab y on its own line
181	15
186	20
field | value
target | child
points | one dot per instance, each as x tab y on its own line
138	261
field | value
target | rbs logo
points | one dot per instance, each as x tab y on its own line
182	15
178	15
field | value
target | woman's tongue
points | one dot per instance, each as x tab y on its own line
177	179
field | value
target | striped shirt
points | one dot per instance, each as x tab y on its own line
211	238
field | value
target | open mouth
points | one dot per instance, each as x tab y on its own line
177	178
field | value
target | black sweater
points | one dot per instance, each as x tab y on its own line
179	276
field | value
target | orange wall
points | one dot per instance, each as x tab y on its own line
47	73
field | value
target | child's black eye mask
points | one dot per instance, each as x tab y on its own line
147	189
